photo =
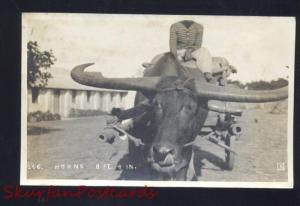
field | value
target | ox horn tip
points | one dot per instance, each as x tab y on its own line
83	66
77	71
89	64
86	65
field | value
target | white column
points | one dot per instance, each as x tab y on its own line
77	100
47	99
81	99
114	99
100	103
96	100
129	99
90	104
118	97
123	102
61	102
106	101
67	103
51	100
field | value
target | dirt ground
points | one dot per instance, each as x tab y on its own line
69	149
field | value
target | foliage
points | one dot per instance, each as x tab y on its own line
279	83
261	85
42	116
38	64
237	83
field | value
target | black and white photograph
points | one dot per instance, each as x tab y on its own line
157	100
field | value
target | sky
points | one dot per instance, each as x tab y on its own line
261	48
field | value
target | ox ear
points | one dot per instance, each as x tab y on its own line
143	96
148	95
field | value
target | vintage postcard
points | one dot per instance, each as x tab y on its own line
157	100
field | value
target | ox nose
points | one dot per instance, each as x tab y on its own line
163	154
162	149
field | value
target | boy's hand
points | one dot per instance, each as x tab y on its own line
188	55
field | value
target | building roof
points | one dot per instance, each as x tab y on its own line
62	80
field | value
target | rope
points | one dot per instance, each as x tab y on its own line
137	142
194	141
179	86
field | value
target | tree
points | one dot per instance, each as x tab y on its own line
38	64
261	85
237	83
279	83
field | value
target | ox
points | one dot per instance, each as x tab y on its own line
177	107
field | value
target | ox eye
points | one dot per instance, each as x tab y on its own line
157	104
188	107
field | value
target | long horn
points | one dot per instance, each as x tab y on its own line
230	94
96	79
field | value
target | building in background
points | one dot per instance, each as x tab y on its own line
62	94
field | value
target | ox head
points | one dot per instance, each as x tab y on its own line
176	118
179	110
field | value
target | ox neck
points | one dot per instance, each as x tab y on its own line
187	23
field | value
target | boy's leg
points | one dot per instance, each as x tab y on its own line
203	59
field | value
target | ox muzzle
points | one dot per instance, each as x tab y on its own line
163	159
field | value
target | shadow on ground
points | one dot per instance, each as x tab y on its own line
143	173
38	130
201	155
137	173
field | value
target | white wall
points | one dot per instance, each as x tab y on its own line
42	103
104	101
